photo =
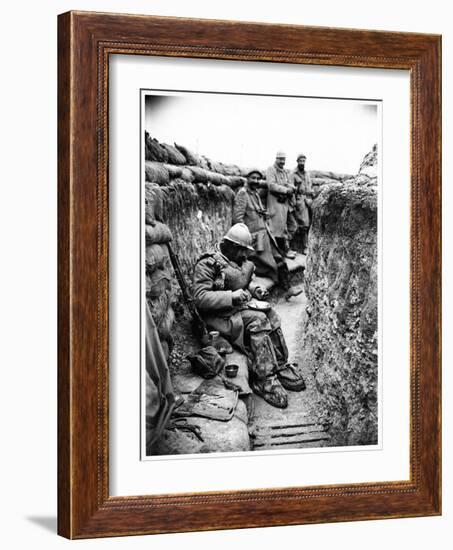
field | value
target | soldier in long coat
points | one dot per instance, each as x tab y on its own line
223	286
249	209
303	199
280	204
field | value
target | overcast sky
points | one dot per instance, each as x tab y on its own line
246	130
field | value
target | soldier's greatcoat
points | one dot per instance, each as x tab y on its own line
249	209
278	201
303	196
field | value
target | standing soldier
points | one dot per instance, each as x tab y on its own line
249	209
303	199
280	204
223	287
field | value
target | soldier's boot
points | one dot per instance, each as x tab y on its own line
283	275
264	382
289	378
286	372
290	254
283	244
283	281
271	390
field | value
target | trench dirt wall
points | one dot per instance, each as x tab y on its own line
341	328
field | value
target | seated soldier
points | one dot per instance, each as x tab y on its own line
223	287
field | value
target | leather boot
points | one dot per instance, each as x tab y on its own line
283	275
271	390
290	378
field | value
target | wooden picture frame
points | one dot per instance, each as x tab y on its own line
85	41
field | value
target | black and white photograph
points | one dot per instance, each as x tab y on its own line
260	273
226	289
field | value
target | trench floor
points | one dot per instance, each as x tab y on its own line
295	427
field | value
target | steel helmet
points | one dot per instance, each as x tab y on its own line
239	234
254	171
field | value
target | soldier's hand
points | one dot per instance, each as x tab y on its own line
240	296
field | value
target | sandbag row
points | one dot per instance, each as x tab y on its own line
159	281
162	152
162	174
325	175
179	155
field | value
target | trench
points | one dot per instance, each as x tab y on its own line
336	350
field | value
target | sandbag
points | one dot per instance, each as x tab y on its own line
217	167
236	181
173	170
150	214
225	180
157	283
159	233
154	151
231	170
165	325
156	172
160	304
175	441
155	202
154	194
323	174
217	437
217	179
187	175
150	217
200	174
174	156
156	256
191	158
204	162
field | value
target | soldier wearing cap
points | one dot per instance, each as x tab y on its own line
249	209
280	203
303	198
223	285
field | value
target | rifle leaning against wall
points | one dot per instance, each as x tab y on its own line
199	325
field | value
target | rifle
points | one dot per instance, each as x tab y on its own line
199	325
